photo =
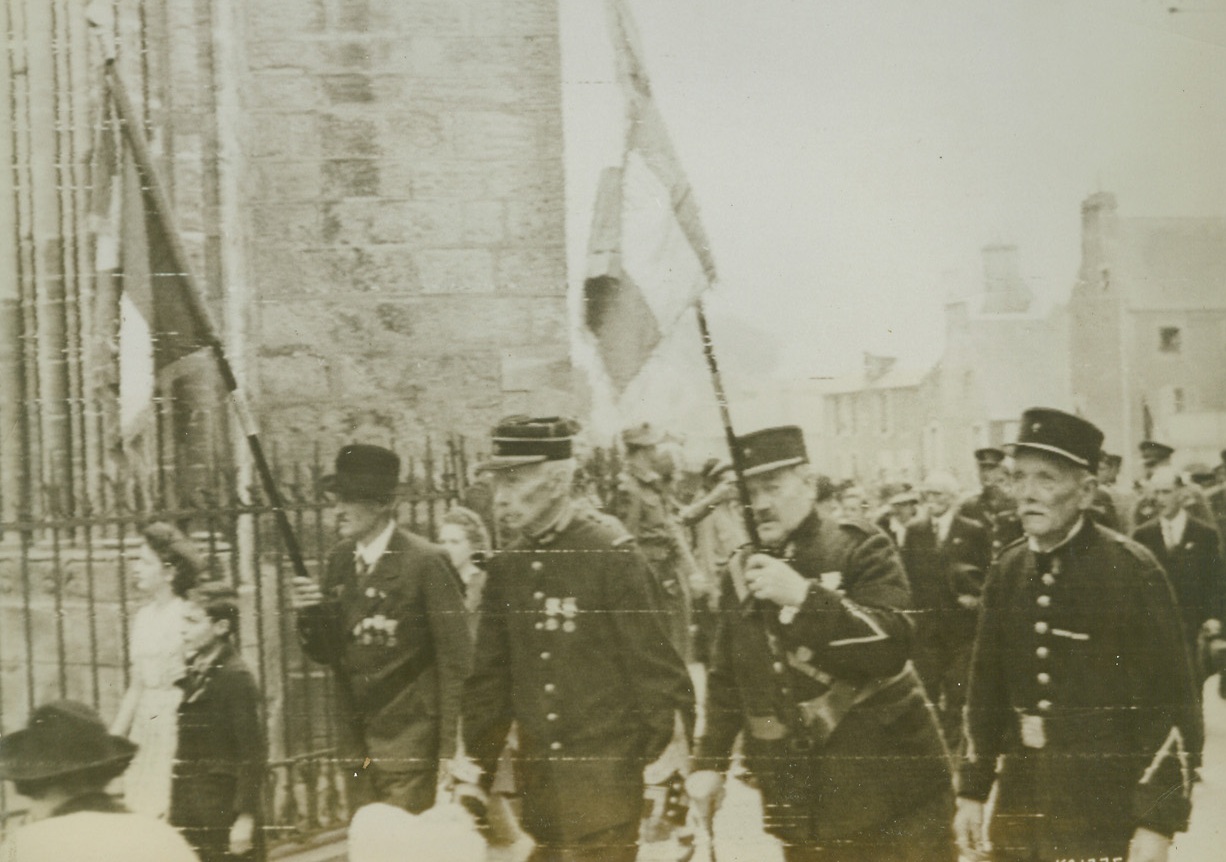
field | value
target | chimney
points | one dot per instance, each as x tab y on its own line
1098	215
1005	291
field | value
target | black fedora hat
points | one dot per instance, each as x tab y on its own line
989	456
364	472
1062	434
63	737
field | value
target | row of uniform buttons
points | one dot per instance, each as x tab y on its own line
1042	628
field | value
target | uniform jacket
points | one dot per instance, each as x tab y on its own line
221	732
648	511
1194	568
997	512
404	615
1081	680
878	751
940	573
572	649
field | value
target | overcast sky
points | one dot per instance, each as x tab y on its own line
851	157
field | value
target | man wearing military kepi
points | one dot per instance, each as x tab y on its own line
389	617
1082	705
645	505
993	506
571	647
811	665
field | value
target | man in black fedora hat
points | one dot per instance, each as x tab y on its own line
810	665
388	615
62	763
572	648
1082	706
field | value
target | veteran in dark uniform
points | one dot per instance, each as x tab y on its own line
388	616
993	507
572	649
644	503
811	665
1082	706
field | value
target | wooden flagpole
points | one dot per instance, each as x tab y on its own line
199	313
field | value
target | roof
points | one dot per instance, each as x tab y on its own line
895	378
1171	264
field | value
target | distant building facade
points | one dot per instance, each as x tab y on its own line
1149	313
1003	353
870	423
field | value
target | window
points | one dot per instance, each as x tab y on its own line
1179	402
884	406
1169	340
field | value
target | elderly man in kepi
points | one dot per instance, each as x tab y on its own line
388	616
572	648
811	666
1082	706
62	763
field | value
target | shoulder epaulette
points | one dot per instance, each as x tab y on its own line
623	541
858	524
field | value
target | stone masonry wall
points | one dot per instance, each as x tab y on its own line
406	253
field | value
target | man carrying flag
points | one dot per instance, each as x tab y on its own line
810	664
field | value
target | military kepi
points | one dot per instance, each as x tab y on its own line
772	449
1153	452
364	472
520	440
1062	434
989	456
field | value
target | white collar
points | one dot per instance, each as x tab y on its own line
1068	537
1175	526
944	523
371	552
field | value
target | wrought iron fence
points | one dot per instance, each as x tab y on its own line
66	599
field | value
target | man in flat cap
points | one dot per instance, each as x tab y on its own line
1082	706
902	507
570	647
993	507
811	665
946	557
388	616
644	503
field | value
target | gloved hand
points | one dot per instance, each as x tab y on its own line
968	829
706	791
1148	846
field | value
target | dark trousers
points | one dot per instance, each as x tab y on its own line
616	844
922	835
202	809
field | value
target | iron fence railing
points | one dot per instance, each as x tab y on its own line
66	599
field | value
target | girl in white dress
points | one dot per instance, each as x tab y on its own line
167	568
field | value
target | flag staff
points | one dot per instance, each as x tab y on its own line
200	314
725	415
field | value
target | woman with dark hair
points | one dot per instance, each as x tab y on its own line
168	566
464	537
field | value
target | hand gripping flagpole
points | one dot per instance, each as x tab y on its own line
199	313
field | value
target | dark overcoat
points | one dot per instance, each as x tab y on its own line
871	750
1081	702
221	754
571	647
941	572
1194	568
398	640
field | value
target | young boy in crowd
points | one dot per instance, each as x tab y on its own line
221	757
